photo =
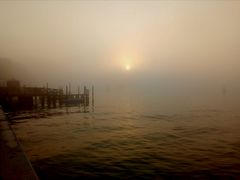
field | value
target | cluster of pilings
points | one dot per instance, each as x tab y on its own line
13	97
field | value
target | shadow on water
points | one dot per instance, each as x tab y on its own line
13	116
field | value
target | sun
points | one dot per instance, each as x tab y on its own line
127	67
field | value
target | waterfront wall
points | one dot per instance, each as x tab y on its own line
14	164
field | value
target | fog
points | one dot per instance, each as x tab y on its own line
187	49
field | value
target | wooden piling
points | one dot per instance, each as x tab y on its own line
69	88
92	98
92	95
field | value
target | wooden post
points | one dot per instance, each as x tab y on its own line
54	101
92	98
92	95
66	95
43	101
84	98
35	101
47	88
60	97
66	91
48	101
69	88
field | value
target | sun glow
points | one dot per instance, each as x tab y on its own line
127	62
127	67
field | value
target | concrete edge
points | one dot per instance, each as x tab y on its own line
14	164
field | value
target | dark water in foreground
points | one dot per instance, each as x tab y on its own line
109	143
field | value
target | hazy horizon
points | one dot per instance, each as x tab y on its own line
170	47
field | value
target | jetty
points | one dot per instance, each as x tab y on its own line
15	97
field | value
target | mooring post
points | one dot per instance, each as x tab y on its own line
84	98
42	101
48	101
92	98
35	101
78	91
60	94
48	97
66	90
69	88
54	100
92	95
66	95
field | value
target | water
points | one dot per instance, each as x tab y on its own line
132	143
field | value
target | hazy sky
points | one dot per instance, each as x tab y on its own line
95	41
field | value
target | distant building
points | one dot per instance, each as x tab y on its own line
13	84
3	83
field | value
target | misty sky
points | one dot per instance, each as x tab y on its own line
93	41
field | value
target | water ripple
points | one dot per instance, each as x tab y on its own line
196	145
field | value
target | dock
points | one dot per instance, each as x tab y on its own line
15	97
14	164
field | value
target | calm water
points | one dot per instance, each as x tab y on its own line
132	143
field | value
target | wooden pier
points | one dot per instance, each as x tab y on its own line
14	97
